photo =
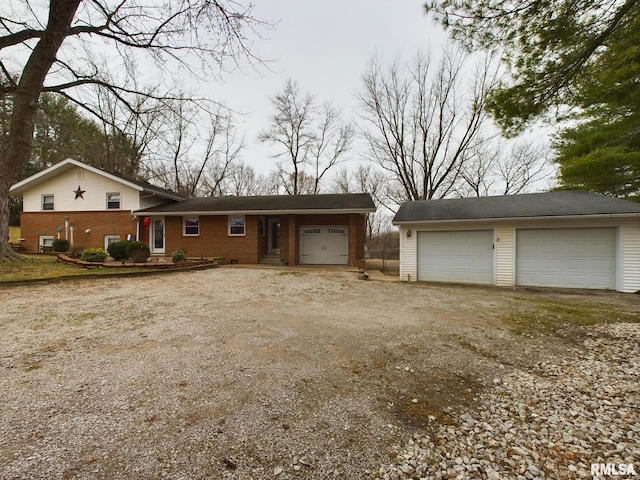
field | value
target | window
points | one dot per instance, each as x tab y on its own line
109	239
261	227
113	201
190	226
46	243
47	202
236	225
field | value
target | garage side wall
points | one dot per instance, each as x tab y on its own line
408	255
505	245
629	278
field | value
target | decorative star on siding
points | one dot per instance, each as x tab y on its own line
79	193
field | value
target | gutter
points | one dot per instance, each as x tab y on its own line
595	216
252	212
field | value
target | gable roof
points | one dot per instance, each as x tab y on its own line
549	204
69	164
268	204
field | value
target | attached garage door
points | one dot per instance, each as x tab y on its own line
566	257
324	245
461	256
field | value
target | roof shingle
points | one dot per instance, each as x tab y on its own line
548	204
358	202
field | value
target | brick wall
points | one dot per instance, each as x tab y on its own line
356	224
100	223
214	240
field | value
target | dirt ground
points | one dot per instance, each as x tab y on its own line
257	373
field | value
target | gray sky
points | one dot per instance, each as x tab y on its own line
324	46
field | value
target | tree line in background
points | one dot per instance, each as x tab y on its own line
427	124
425	132
574	64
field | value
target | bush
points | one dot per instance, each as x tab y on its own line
119	250
60	245
76	252
139	252
178	256
97	255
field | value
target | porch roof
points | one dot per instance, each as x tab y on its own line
267	205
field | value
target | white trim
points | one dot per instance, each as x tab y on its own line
69	163
254	212
119	200
244	225
184	225
108	237
42	195
597	216
45	237
47	172
152	247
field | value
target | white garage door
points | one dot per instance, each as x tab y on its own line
465	256
324	245
566	257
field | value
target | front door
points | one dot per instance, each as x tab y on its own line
156	234
274	235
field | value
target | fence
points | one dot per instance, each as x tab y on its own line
386	259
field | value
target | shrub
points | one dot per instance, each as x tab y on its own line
97	255
60	245
139	252
76	252
119	250
178	256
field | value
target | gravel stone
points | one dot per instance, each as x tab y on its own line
552	408
249	373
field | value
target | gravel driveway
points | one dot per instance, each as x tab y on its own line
260	373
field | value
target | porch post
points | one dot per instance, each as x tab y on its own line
292	234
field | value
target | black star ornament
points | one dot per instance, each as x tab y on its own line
79	193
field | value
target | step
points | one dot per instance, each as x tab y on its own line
272	260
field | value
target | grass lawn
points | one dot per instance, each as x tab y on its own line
46	266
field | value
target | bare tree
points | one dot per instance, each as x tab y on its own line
422	125
502	169
199	36
131	135
525	164
243	180
310	139
198	148
366	178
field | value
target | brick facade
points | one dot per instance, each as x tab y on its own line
214	240
33	225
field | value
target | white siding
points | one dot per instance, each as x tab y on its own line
408	254
630	258
505	256
627	251
95	186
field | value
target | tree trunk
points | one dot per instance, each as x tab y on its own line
20	144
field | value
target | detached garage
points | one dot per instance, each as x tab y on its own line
565	239
452	256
